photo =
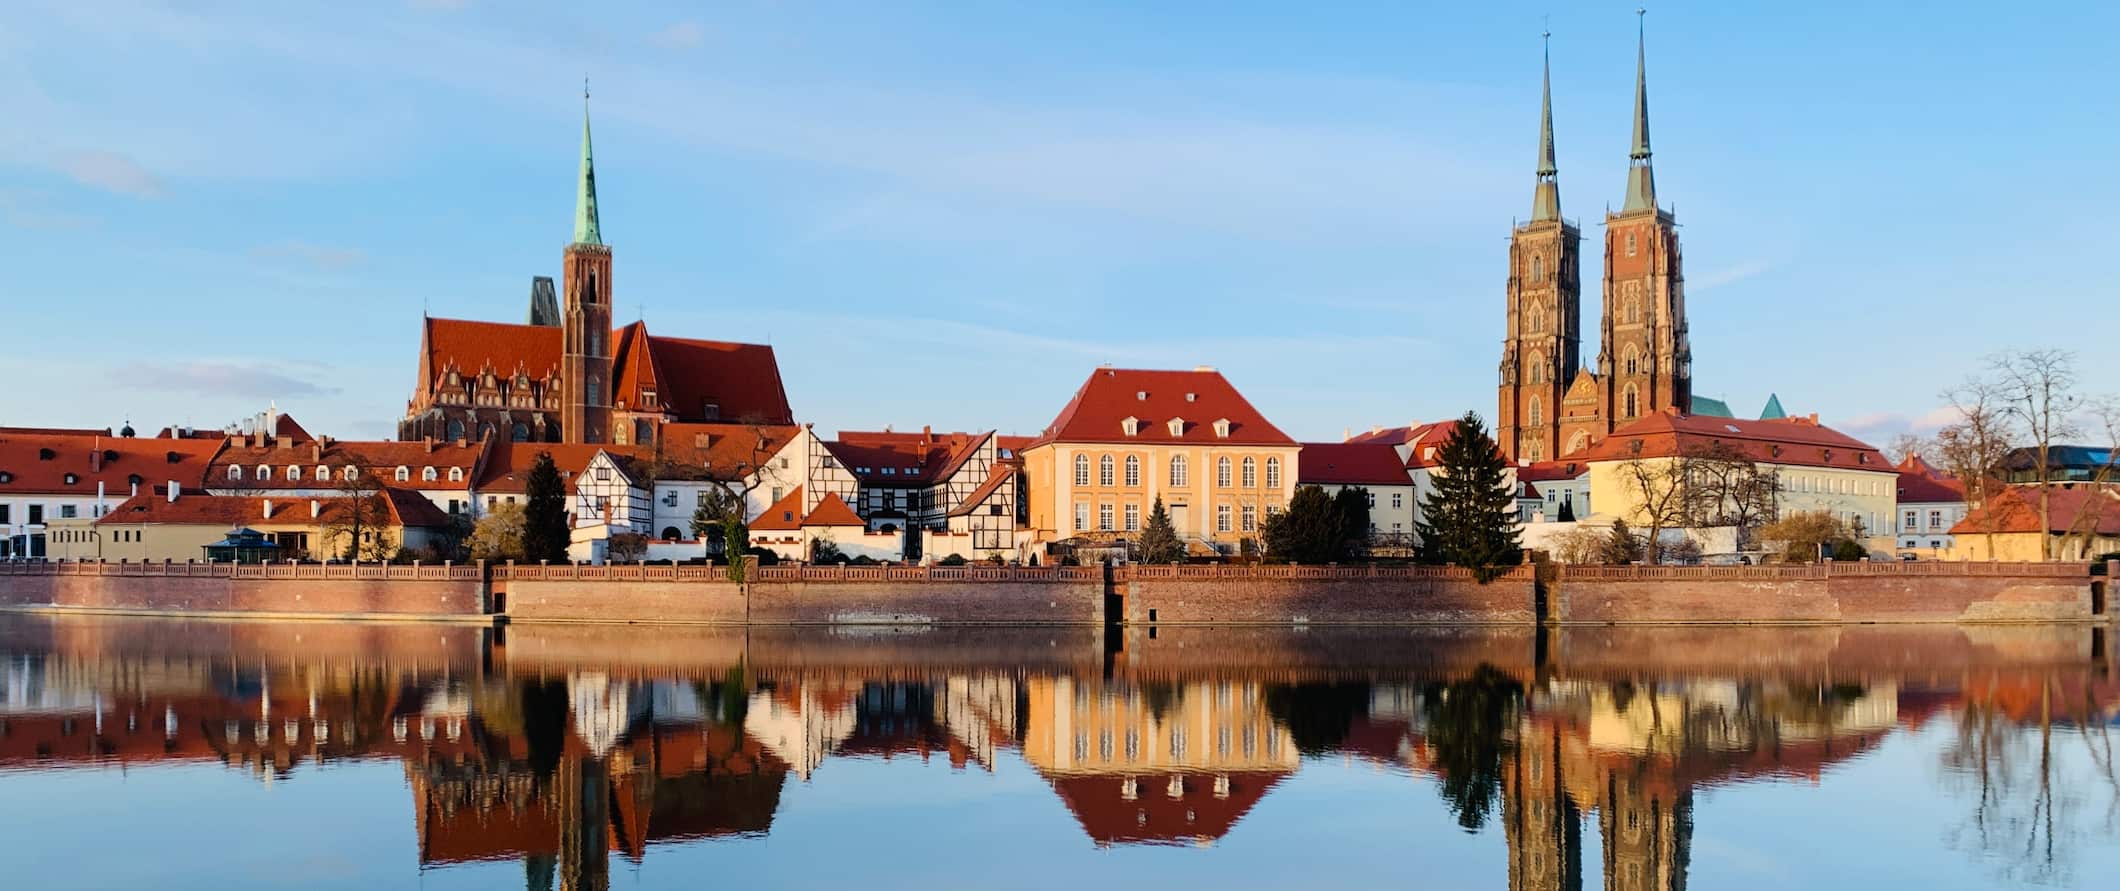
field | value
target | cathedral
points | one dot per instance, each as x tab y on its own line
1550	405
568	376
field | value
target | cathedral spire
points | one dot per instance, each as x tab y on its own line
1546	201
585	230
1641	181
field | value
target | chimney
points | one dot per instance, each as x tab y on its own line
174	490
268	509
316	508
428	441
95	458
316	451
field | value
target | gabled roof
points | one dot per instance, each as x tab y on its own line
1920	483
402	507
912	458
832	511
1351	464
1712	408
784	515
1199	397
1544	471
724	451
381	458
996	477
25	468
1423	442
2077	508
1794	441
742	380
507	470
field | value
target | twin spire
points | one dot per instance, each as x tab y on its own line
1641	181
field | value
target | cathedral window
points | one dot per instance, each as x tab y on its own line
1632	402
1634	310
455	430
643	431
1633	361
1538	266
485	432
519	433
1536	412
1538	368
1630	244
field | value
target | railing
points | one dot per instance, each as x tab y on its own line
929	574
1352	571
1930	569
289	571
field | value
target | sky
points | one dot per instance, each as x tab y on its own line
948	214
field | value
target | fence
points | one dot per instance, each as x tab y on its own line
376	571
1261	571
1827	570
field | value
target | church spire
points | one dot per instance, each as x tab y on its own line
585	230
1641	181
1546	201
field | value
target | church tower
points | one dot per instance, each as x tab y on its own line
1542	345
1644	360
586	363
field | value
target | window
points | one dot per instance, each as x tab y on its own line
1935	520
403	474
1131	425
594	392
1251	472
777	494
1537	367
323	474
1221	518
234	472
1221	428
1273	473
456	474
643	431
519	433
1081	516
1222	476
349	473
1133	470
1104	517
1634	310
429	474
1633	403
1912	521
1251	518
1536	412
1133	518
1538	266
1104	471
67	511
1630	244
1633	360
1398	500
455	430
264	471
294	474
1178	476
1081	470
1176	426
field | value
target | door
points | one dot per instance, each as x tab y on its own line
1181	520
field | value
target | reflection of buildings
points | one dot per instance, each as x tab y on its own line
1164	763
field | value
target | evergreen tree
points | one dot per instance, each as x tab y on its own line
1310	531
1159	539
1470	518
545	534
1622	546
1350	509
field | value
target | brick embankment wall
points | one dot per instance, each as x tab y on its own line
1923	592
805	595
1280	595
1823	653
1287	654
679	602
219	588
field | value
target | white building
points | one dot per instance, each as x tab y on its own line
49	475
1930	503
1377	467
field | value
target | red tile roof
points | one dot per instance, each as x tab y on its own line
913	458
1154	398
741	379
1543	471
1351	464
784	515
40	463
2083	507
507	470
723	451
381	458
1798	441
471	347
54	431
1153	816
1920	488
405	508
1423	441
832	511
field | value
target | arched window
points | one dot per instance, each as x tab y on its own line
1634	310
1222	469
1632	406
1633	360
485	432
429	474
1104	470
1538	368
294	473
1251	472
403	473
1536	413
349	472
595	390
456	430
643	431
1538	266
264	471
520	432
1081	470
670	533
235	472
323	474
1133	470
456	474
1273	473
1178	476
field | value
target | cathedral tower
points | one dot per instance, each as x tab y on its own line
1644	360
1542	345
586	368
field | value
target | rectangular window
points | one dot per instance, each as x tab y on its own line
1912	522
36	514
1081	516
1935	520
4	508
777	495
1221	518
1133	518
1104	517
1251	518
1397	501
66	511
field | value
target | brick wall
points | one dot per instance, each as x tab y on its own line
406	590
834	602
1323	596
1926	592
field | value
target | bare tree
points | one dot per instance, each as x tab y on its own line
1974	447
1657	487
1912	445
1725	487
2039	390
360	515
752	468
2101	497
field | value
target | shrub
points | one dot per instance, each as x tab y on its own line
952	560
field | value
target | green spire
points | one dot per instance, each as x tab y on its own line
1641	182
1546	201
585	230
1773	411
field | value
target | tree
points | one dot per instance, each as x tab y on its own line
1470	518
1805	535
1974	446
1911	445
1350	506
2039	390
734	483
1159	539
626	547
355	523
825	550
720	518
1621	546
1469	734
1311	530
545	532
499	534
1583	544
2091	510
1723	486
1657	487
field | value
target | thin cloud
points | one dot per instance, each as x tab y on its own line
1729	275
683	35
329	259
218	378
110	172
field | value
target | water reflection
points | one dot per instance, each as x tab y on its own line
563	748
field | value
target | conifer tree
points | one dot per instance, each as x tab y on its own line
1470	518
1159	539
545	535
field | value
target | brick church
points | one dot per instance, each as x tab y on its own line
566	375
1550	405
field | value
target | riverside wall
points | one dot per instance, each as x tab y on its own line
1133	595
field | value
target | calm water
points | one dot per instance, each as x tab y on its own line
166	754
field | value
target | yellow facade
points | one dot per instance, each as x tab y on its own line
2023	547
1862	495
1076	726
1110	488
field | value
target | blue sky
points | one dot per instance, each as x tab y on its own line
948	214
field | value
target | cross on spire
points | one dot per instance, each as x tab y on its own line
1641	181
585	224
1546	200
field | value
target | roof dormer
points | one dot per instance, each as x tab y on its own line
1131	424
1177	426
1221	428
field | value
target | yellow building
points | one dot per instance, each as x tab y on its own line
1819	468
2083	522
1130	437
155	527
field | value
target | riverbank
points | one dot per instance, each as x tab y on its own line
1820	594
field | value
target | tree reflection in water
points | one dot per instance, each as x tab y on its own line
1469	722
